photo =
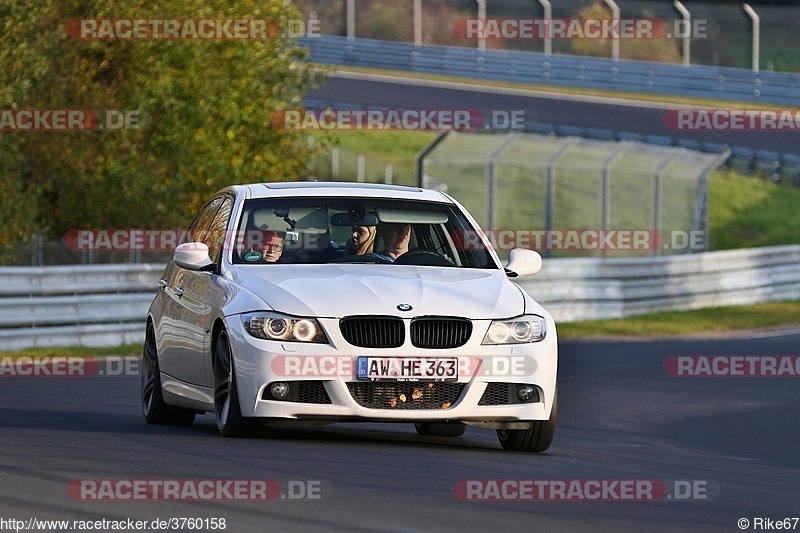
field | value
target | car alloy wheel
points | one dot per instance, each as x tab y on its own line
535	439
230	421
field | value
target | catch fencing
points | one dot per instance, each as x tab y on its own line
523	181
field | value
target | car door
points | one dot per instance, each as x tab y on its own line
181	331
203	295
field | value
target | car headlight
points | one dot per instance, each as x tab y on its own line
278	327
516	331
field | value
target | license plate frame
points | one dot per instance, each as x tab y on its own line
412	368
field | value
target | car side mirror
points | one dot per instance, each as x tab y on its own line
522	262
194	256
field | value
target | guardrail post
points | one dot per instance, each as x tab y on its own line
615	13
335	163
548	32
756	35
687	28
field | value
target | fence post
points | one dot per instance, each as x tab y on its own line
351	20
482	17
335	163
700	218
605	210
548	25
657	185
687	28
756	35
417	23
360	168
419	159
615	13
387	174
550	187
491	180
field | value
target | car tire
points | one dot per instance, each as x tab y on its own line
228	413
155	410
535	439
440	429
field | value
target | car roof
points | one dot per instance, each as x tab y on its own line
343	189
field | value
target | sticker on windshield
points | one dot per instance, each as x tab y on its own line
252	255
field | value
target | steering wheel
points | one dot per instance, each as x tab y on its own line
423	257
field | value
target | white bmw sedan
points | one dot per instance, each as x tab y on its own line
313	303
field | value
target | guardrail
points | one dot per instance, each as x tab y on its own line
106	305
590	289
97	305
562	70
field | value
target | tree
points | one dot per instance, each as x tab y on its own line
205	108
661	49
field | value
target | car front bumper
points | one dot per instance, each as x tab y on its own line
259	363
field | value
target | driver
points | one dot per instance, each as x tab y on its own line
395	240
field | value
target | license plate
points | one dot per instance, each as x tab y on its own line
408	368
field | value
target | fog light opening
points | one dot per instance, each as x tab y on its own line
526	393
279	390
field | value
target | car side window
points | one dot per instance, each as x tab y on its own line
199	227
215	236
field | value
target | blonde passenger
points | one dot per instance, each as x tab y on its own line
363	240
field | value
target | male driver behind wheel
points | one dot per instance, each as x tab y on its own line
395	240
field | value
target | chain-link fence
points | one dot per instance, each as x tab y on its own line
41	250
517	182
523	183
339	164
722	33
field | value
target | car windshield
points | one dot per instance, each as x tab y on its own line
314	230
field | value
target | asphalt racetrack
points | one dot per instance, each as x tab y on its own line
622	417
573	110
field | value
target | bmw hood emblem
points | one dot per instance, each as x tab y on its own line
404	307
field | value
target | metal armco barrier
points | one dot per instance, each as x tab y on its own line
592	289
97	305
562	70
107	305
